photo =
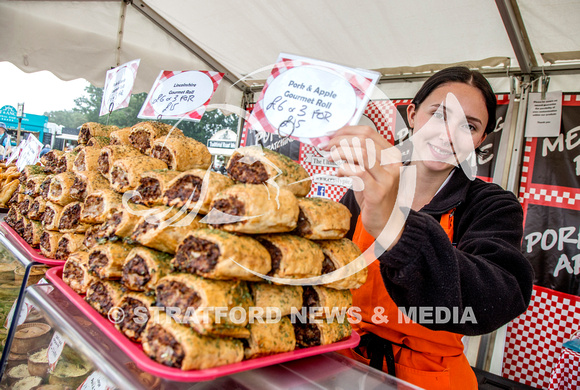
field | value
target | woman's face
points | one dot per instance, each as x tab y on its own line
448	125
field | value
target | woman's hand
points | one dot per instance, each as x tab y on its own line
374	166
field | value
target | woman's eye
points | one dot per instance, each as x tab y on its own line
439	114
469	127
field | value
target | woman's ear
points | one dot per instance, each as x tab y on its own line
411	115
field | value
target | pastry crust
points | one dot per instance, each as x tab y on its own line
285	298
323	302
49	243
66	161
87	159
69	243
45	186
24	203
51	216
99	141
32	232
152	185
322	219
36	209
93	129
181	153
126	172
32	185
292	256
217	254
338	254
86	183
106	260
99	205
257	165
176	345
143	267
270	338
196	299
93	236
320	332
143	134
254	209
135	307
50	160
120	137
70	219
110	154
195	189
123	221
76	272
104	295
60	188
30	170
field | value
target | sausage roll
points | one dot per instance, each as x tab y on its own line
257	165
126	172
322	219
164	234
87	159
143	267
45	186
285	298
51	216
110	154
99	205
50	160
93	236
143	134
135	307
32	232
32	185
217	254
326	302
106	260
49	243
66	161
104	295
196	301
76	272
69	243
30	170
152	185
120	137
70	219
179	346
343	255
88	182
93	129
99	141
123	221
320	332
24	204
36	209
195	189
60	188
12	216
250	208
181	153
270	338
19	225
292	256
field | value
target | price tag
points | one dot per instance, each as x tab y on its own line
30	152
176	95
96	381
21	316
14	154
55	348
118	87
309	100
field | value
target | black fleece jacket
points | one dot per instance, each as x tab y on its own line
483	269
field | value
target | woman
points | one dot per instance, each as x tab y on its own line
453	265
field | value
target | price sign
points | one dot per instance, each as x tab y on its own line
96	381
30	152
118	87
15	153
176	95
25	310
55	350
309	100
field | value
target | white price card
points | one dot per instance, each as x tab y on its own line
544	115
96	381
118	87
309	100
24	310
30	153
14	154
55	348
180	95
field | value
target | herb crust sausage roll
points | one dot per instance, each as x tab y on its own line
99	205
60	188
120	137
292	256
70	219
122	221
176	345
76	272
106	260
87	159
343	254
320	332
135	307
143	134
103	295
110	154
126	172
322	219
152	185
143	267
36	209
32	185
254	209
49	243
270	338
32	232
50	160
66	161
217	254
69	243
326	302
282	297
93	236
257	165
99	141
51	216
86	183
94	129
181	153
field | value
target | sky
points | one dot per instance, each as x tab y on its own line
40	91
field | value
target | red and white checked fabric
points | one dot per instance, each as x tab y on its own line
534	339
565	375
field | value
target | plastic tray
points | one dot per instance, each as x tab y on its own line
135	351
34	254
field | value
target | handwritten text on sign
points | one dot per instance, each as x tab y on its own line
182	93
309	101
118	86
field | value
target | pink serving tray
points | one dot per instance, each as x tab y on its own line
34	254
135	351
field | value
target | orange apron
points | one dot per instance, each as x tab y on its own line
430	359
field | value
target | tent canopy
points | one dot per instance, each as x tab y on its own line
404	40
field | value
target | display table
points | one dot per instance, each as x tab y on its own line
565	374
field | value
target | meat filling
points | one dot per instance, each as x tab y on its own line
70	217
119	177
28	234
307	335
162	152
229	206
79	162
97	261
110	226
45	241
10	218
149	190
24	206
99	298
62	250
185	188
165	349
92	236
142	228
249	170
44	187
49	215
196	254
140	140
94	206
34	211
19	227
310	297
84	135
327	265
61	166
56	189
103	164
79	188
176	294
30	187
133	322
72	271
275	255
135	274
303	227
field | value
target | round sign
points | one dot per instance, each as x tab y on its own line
182	93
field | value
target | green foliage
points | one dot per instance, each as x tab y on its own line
88	107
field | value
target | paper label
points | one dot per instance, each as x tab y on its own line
25	309
30	153
96	381
118	87
55	348
544	116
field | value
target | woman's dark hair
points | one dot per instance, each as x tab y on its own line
461	74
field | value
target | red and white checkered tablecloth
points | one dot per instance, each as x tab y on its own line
566	373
